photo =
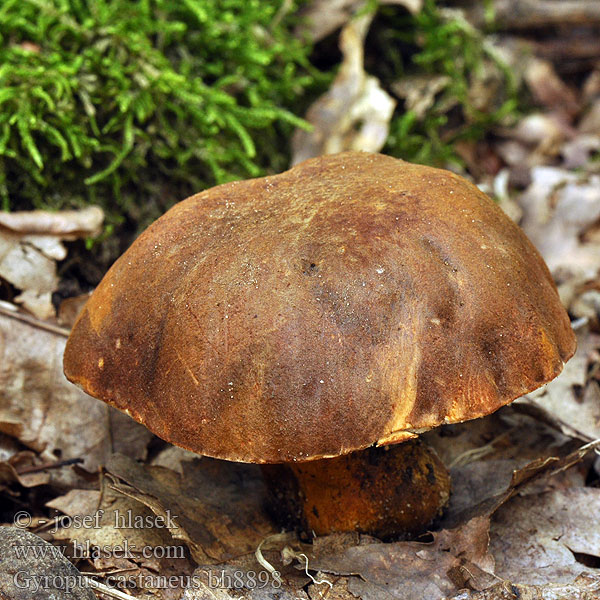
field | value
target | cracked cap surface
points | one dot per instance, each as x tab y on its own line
354	299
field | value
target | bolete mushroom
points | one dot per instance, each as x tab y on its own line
351	302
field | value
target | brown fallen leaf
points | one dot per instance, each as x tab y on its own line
10	471
338	590
32	569
172	458
76	502
118	521
121	537
407	570
49	415
203	591
246	581
548	89
530	474
322	17
483	454
218	504
30	245
506	434
558	207
355	113
268	573
537	539
470	541
419	91
69	309
583	588
561	402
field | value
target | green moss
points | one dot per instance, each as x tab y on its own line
134	104
439	42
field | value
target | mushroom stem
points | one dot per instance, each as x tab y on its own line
394	491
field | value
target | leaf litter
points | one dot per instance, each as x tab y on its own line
354	114
46	415
523	518
30	245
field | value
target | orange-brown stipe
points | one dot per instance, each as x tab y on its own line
379	491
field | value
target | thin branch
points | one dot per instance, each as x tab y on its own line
13	314
47	466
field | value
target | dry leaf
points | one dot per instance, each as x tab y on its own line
172	458
30	270
30	245
590	122
534	140
49	415
322	17
355	113
558	207
583	588
419	91
500	189
273	578
122	537
9	471
407	570
32	569
338	590
483	454
523	480
66	224
76	502
586	305
577	152
69	309
118	522
549	89
203	591
560	401
536	539
242	582
219	505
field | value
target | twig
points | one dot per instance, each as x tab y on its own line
100	487
47	466
13	314
531	14
284	9
108	573
104	589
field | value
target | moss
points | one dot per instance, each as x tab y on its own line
480	92
135	104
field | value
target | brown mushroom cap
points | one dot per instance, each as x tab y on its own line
354	299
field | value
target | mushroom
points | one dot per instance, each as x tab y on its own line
333	310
